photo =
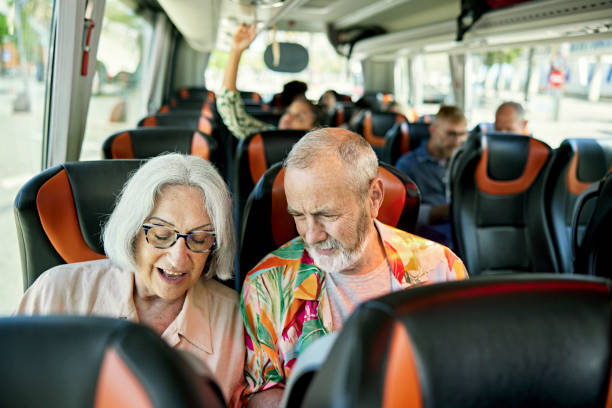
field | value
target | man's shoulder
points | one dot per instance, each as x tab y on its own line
287	256
417	252
407	159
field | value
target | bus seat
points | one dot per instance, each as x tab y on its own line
516	341
267	224
205	108
374	125
341	114
344	98
195	93
76	361
254	155
592	251
484	127
59	213
185	119
265	115
402	138
497	205
426	118
144	143
576	164
251	98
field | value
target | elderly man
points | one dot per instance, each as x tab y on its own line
426	166
510	117
342	257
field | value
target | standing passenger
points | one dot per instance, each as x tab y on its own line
343	256
169	235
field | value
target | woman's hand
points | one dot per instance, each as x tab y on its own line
243	37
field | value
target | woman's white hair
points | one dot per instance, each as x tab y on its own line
138	197
355	153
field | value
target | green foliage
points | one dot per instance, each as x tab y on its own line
4	30
117	12
501	57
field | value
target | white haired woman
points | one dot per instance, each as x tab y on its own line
170	233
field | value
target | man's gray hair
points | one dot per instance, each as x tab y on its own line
138	198
355	154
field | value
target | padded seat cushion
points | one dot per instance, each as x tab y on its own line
520	341
59	213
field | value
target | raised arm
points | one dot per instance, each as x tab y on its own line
229	104
243	37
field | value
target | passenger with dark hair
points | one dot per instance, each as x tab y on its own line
427	165
301	114
291	91
328	100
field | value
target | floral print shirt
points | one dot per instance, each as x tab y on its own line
235	117
285	306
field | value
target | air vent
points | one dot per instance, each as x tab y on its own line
540	12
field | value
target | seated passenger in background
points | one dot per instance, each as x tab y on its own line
169	235
361	105
301	114
292	90
510	117
342	257
427	165
328	100
409	112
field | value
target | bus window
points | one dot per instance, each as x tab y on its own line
116	102
326	69
24	31
564	88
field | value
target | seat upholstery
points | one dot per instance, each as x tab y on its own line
59	213
426	118
267	225
497	205
402	138
195	93
374	125
484	127
576	164
186	119
254	155
205	108
251	98
145	143
341	114
593	251
263	114
516	341
75	362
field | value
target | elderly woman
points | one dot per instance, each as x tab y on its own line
169	235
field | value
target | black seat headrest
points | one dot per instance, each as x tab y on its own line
92	361
524	340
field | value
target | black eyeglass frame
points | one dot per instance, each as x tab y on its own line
177	235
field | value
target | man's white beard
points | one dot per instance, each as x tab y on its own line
340	262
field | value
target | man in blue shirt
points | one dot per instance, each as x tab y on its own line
427	165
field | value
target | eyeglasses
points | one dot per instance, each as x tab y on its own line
163	237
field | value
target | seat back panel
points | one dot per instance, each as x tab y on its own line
59	220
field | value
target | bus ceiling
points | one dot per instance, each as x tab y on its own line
528	23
